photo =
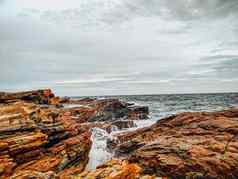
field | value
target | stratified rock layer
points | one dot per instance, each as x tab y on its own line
39	138
42	137
187	145
114	169
38	96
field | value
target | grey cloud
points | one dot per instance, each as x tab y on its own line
134	46
99	14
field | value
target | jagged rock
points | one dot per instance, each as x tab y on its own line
114	169
48	141
95	110
15	118
37	96
123	124
70	152
111	109
32	174
42	139
110	126
108	109
187	145
83	101
138	112
7	166
70	172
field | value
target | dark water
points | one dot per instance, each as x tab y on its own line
163	105
160	106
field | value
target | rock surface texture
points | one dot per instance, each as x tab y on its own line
40	138
47	137
115	169
187	145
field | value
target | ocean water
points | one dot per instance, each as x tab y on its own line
160	106
164	105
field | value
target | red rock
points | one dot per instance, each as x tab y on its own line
37	96
7	166
54	100
70	152
70	172
202	145
44	164
43	141
32	174
115	169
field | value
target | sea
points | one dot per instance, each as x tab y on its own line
160	106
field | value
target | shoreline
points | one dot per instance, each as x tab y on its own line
41	137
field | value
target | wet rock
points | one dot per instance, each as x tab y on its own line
108	109
112	109
138	112
101	110
187	145
110	126
123	124
39	138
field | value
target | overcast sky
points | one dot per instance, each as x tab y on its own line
105	47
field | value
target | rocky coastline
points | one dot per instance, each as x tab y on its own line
44	136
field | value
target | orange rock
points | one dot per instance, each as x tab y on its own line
7	166
203	145
69	172
36	96
114	169
54	100
42	141
45	164
30	174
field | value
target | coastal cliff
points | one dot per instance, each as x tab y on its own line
44	136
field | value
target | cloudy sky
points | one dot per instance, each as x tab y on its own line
105	47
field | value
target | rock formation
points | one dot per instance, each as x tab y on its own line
43	137
40	138
115	169
37	96
187	145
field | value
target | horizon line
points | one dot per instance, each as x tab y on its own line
192	93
